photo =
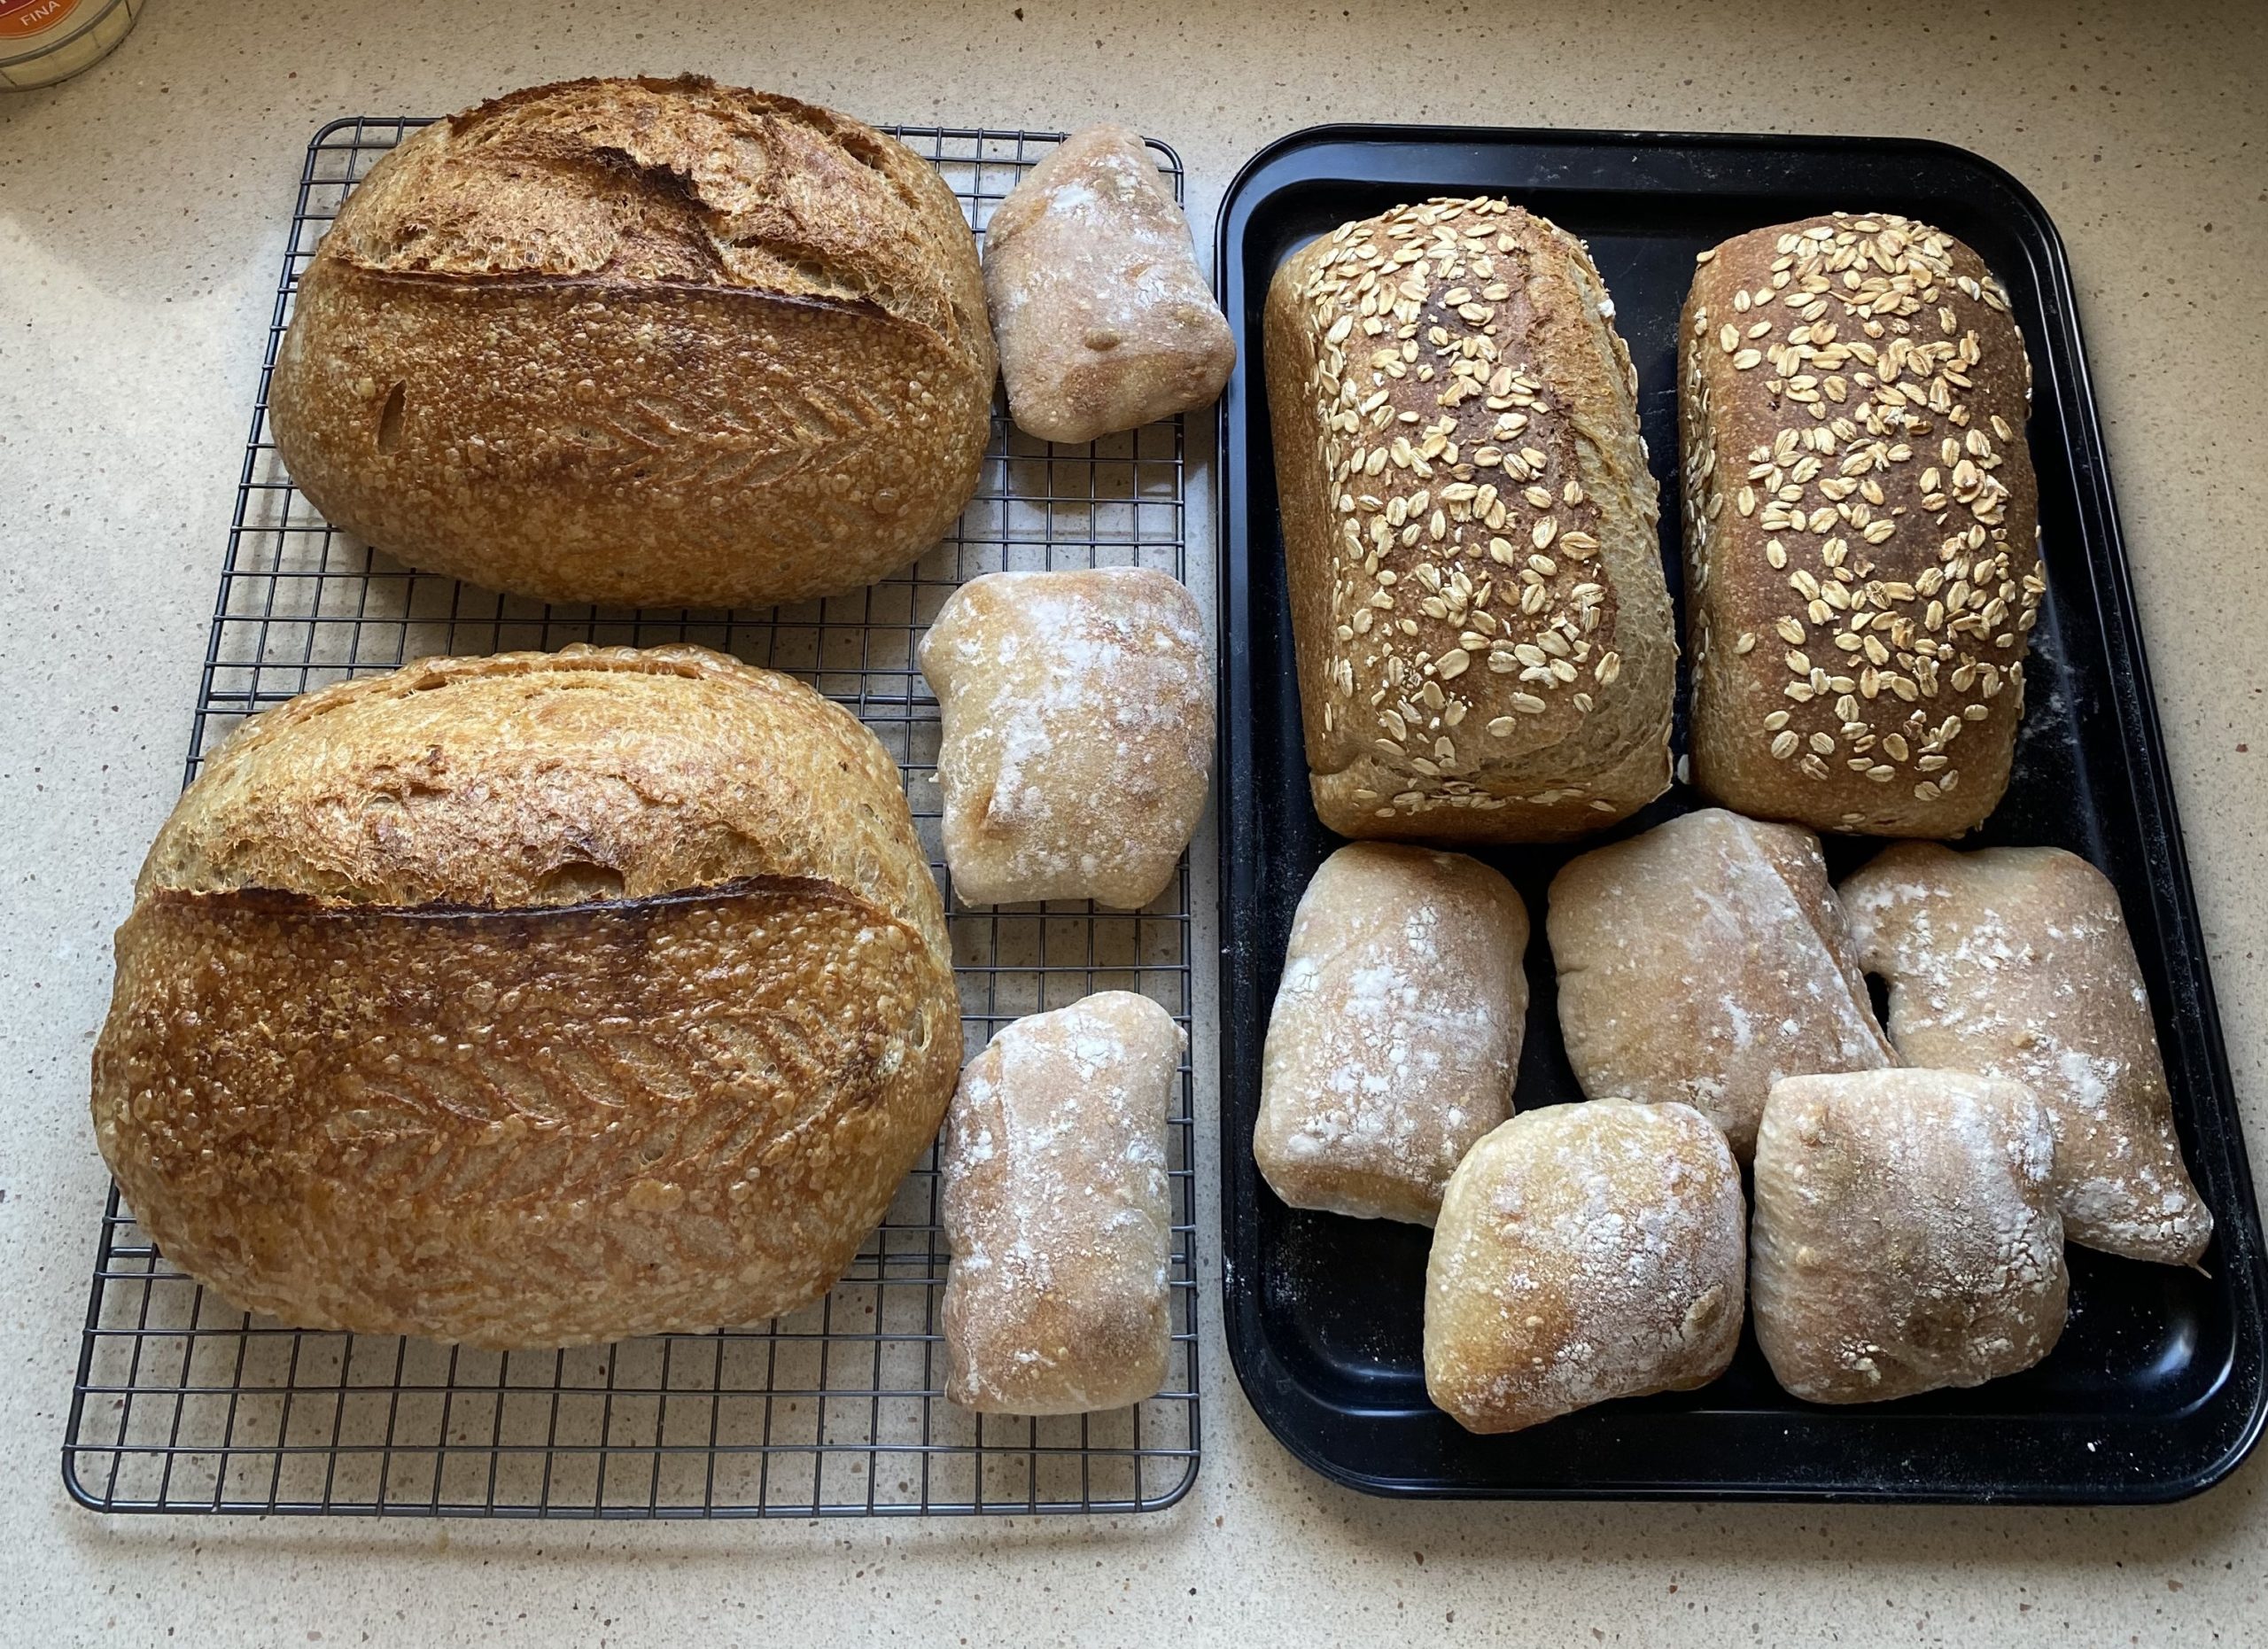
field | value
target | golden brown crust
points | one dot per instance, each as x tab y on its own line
531	999
520	1128
647	342
1862	569
547	779
1484	635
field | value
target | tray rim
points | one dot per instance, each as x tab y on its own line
2151	794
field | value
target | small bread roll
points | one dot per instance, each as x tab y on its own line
1396	1031
1103	318
1907	1236
1078	734
1056	1209
1704	960
2015	962
1585	1252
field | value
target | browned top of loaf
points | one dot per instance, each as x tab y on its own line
1475	621
678	182
1885	469
530	780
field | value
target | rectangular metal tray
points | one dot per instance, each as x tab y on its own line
2156	1389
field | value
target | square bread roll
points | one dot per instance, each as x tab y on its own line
1104	319
1078	734
1584	1252
1396	1031
2015	961
1907	1237
1704	960
1058	1209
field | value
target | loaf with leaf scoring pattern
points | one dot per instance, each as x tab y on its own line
530	1001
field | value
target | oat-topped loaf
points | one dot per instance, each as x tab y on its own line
530	1001
1485	641
1862	569
646	342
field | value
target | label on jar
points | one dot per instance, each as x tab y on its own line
20	19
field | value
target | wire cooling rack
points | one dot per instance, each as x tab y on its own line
183	1403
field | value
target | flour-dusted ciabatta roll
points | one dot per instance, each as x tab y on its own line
1860	524
2015	961
1104	319
1077	733
1905	1237
645	342
530	1001
1395	1035
1704	960
1584	1252
1484	636
1058	1209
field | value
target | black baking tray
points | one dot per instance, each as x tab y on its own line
2157	1391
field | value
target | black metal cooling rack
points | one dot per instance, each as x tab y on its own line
183	1403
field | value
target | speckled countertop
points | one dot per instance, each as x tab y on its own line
141	222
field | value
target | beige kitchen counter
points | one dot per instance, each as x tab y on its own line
142	215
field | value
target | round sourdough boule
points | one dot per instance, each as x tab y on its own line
642	342
1584	1252
530	1001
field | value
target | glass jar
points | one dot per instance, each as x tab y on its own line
45	41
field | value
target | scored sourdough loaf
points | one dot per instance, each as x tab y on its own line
647	342
1485	642
1862	569
530	1001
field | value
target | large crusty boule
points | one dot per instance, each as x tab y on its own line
645	343
530	1001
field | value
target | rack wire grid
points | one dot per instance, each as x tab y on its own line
183	1403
